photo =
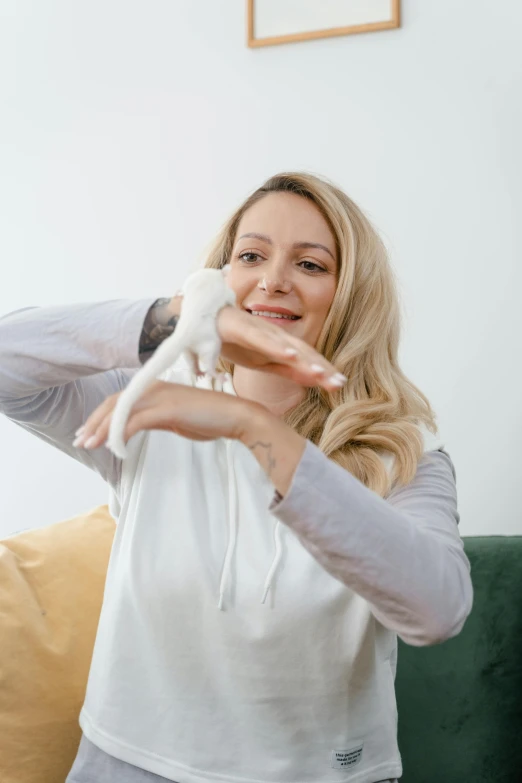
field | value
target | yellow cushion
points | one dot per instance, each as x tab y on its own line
51	591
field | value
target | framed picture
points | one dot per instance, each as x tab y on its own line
272	22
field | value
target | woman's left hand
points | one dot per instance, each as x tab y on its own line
198	414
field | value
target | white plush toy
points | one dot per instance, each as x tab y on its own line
196	337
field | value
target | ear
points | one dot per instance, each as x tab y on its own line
225	269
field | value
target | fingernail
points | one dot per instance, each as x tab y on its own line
80	430
290	352
90	442
317	368
78	442
341	377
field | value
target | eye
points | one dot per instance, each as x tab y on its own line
253	257
312	266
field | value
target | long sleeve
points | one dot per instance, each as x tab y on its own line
403	554
57	364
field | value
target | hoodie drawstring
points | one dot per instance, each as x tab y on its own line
276	560
232	534
232	524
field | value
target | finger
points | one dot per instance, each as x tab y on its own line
141	417
319	371
272	343
305	377
284	348
93	421
269	341
306	363
99	435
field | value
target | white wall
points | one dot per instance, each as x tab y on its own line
130	129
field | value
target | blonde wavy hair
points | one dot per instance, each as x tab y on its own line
378	410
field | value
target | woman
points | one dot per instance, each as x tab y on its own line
272	540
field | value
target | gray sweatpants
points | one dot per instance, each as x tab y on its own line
93	765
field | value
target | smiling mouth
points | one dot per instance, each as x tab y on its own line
280	316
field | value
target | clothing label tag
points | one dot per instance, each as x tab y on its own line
341	759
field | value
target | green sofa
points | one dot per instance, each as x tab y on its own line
460	702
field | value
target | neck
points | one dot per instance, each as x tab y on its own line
276	393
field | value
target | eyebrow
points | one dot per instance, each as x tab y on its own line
297	245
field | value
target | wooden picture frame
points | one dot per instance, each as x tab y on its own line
393	21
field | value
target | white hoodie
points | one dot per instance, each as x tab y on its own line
193	677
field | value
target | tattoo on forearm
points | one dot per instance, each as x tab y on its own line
271	462
159	324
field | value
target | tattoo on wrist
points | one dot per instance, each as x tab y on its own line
159	324
270	460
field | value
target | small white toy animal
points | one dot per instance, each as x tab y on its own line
205	292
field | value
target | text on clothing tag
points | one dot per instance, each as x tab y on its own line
341	759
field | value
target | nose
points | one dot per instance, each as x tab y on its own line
275	281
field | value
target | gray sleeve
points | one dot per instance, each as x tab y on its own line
57	364
403	554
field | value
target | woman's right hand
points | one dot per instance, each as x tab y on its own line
256	344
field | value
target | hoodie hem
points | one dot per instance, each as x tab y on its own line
174	771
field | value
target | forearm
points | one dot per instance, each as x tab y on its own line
160	322
275	445
59	363
403	555
46	347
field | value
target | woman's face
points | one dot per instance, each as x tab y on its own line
284	261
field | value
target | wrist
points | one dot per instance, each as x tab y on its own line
160	321
254	420
277	447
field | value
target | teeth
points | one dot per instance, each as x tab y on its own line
273	315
